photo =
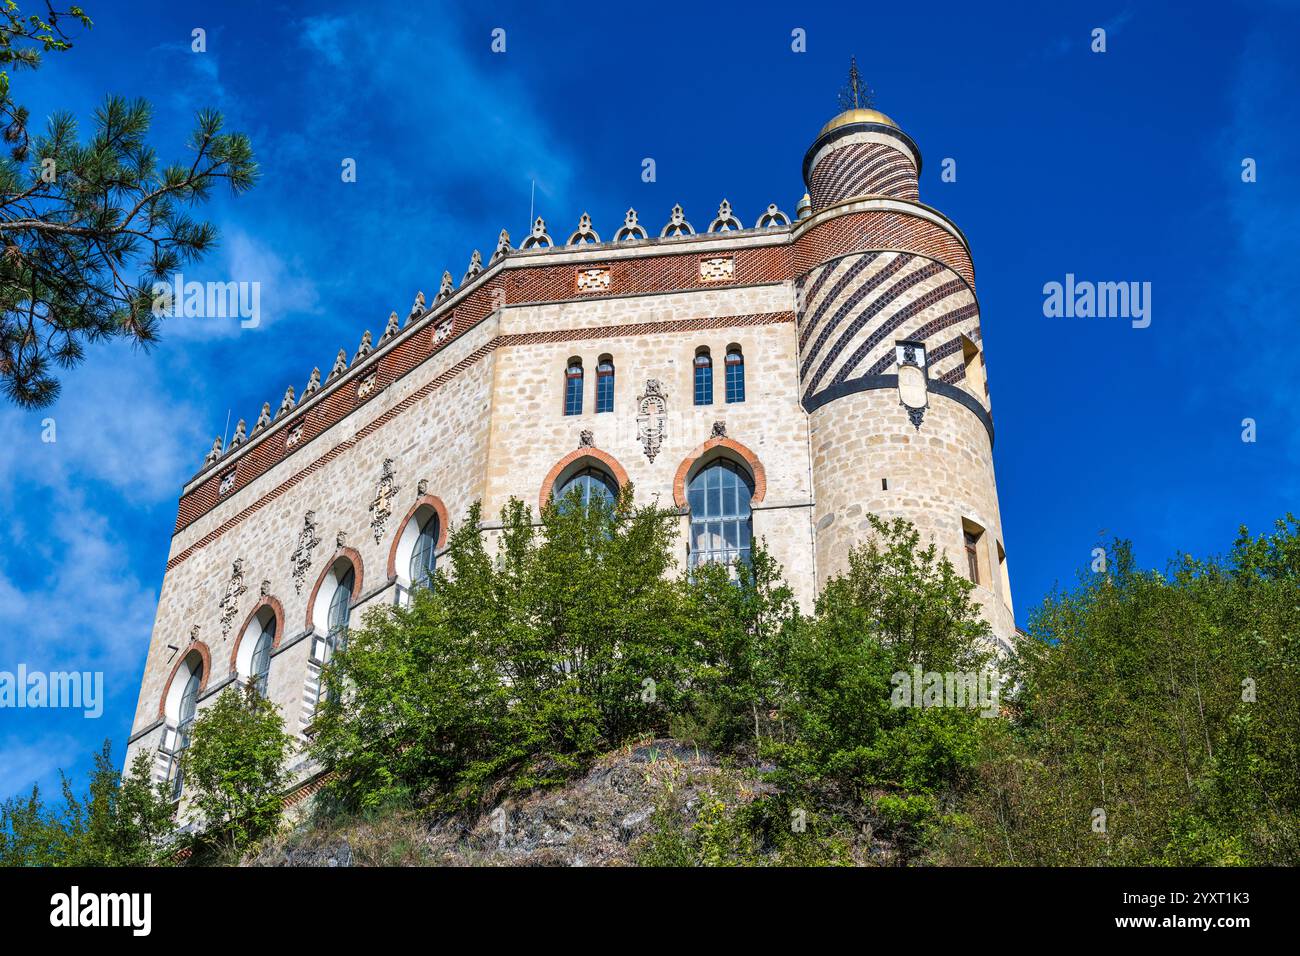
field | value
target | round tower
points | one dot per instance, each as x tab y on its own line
891	360
861	152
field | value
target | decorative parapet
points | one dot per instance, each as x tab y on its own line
725	221
445	289
503	247
630	241
475	267
677	225
417	308
539	239
631	230
584	235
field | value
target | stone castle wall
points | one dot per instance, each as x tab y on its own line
465	403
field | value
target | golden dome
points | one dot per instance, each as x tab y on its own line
857	116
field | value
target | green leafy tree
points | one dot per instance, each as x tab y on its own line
1156	719
87	228
235	767
742	622
898	606
30	833
124	820
513	671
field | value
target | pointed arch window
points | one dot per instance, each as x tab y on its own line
573	387
703	377
189	704
735	375
605	384
259	670
590	484
340	605
424	555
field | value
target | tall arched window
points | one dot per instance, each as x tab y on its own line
573	387
590	484
703	377
185	724
340	604
735	374
605	384
424	555
260	668
721	520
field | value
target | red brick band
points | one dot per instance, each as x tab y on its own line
643	328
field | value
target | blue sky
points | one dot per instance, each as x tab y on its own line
1122	166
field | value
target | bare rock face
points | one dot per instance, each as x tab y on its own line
592	821
597	819
337	854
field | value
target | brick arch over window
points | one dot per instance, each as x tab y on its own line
751	461
205	656
434	502
596	456
352	555
276	608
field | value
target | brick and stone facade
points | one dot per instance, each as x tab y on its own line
865	392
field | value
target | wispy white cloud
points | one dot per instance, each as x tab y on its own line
78	582
283	288
1258	282
25	759
118	422
1250	266
480	122
85	609
193	77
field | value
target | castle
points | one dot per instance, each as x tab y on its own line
779	381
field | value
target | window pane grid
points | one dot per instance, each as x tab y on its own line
721	520
189	704
261	666
735	377
573	391
591	483
605	390
703	380
424	556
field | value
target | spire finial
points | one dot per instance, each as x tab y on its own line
856	95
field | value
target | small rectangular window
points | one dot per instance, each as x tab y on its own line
735	376
573	390
703	379
604	386
973	556
1004	574
973	359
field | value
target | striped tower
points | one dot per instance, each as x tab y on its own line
891	363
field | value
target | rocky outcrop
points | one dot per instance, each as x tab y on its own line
598	819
